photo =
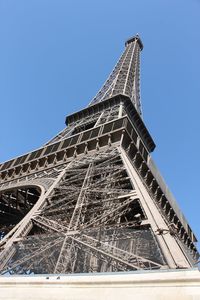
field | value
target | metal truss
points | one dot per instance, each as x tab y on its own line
88	223
93	120
124	78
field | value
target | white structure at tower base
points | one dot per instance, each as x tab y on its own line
139	285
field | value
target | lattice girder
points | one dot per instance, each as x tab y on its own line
70	213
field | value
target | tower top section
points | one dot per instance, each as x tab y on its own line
133	39
125	77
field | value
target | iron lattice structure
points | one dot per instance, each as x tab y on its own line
91	199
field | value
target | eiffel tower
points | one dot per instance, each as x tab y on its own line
91	199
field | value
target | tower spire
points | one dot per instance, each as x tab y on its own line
125	77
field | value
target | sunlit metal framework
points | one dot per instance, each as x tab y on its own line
91	199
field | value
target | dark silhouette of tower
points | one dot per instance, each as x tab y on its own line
91	199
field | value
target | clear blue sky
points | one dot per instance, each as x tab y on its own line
55	54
